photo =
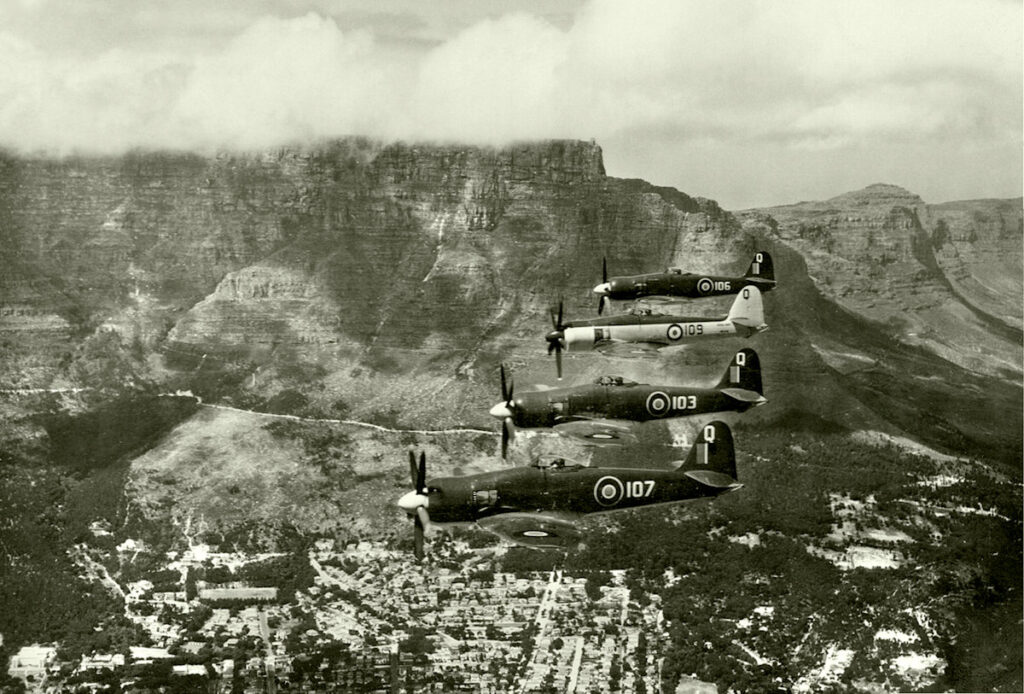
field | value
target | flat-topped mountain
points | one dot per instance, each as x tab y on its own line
390	280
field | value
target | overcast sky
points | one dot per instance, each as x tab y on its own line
748	102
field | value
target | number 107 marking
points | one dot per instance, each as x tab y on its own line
639	489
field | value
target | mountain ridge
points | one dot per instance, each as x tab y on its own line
366	261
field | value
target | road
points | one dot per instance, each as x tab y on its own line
269	658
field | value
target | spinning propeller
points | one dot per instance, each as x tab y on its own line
415	502
503	411
556	338
603	288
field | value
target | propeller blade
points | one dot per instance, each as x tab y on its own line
600	304
418	537
504	438
511	390
421	474
558	360
412	470
559	328
604	270
504	387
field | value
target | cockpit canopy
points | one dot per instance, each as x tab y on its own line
556	462
613	381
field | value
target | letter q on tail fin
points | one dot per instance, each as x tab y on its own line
742	380
747	311
712	460
761	271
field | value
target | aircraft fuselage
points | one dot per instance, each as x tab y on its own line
687	285
582	335
637	402
571	489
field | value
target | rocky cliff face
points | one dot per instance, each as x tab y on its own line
388	281
947	277
339	253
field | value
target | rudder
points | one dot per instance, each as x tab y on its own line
744	372
761	267
712	459
748	309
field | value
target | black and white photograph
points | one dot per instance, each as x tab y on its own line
511	346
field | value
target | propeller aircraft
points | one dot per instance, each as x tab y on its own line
606	410
540	505
676	283
643	327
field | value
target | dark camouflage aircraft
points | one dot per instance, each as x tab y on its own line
606	410
676	283
539	505
646	329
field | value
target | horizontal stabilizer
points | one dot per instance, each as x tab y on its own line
745	395
710	478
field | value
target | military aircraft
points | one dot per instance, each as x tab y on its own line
648	329
676	283
606	410
537	506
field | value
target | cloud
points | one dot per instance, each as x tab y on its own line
496	81
806	74
286	80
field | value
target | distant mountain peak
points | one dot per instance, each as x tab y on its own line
879	193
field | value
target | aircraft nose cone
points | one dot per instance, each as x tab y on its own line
501	411
411	501
603	288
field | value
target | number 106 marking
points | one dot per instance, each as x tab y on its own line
639	489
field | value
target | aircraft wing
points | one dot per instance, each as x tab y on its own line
606	432
536	530
619	348
658	304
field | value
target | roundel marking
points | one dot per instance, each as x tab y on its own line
704	285
535	533
608	490
674	332
658	404
601	435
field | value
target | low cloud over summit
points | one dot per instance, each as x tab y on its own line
713	98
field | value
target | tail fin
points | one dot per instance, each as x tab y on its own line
748	309
761	267
742	380
712	460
